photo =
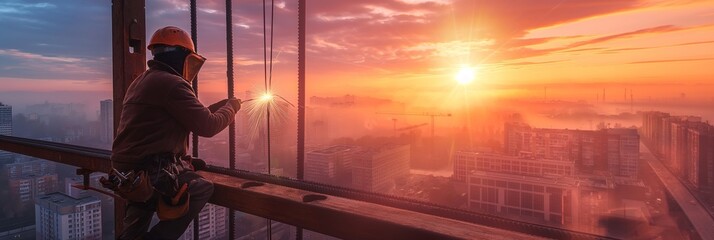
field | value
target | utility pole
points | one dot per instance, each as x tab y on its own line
603	95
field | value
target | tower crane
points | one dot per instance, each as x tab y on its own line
432	115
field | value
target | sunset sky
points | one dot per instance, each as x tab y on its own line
397	49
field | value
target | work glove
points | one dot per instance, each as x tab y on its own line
198	164
214	107
235	103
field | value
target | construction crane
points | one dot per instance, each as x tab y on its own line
432	115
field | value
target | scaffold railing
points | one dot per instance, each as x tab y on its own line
340	212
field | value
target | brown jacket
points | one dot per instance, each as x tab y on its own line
159	111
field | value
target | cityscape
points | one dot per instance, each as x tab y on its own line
601	181
587	118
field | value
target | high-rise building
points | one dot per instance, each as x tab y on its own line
212	224
74	111
665	139
5	119
377	169
546	199
106	121
612	149
58	216
532	189
623	152
25	188
330	165
554	144
29	166
651	126
106	200
678	149
5	128
700	159
466	162
684	143
560	200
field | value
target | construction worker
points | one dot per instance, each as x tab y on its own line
159	111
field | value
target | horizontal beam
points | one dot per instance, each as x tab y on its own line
96	160
342	217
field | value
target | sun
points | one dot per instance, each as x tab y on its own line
466	75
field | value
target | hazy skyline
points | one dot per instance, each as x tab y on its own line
400	49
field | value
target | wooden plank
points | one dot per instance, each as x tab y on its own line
341	217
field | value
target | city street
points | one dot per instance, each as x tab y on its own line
697	214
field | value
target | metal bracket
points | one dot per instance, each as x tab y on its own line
85	177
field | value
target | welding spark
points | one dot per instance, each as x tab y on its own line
266	97
255	114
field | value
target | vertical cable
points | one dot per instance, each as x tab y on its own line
265	81
231	94
269	226
267	109
301	99
194	140
265	52
272	18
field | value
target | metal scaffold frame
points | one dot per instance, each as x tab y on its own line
292	201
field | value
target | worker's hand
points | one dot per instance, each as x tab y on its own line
198	164
214	107
235	103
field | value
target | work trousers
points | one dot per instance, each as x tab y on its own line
138	215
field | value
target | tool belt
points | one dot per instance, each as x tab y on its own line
159	173
133	185
171	185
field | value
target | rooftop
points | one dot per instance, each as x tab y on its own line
630	131
560	181
333	149
61	200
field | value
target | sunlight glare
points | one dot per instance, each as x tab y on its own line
466	75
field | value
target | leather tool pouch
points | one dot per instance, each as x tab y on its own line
139	191
170	183
135	188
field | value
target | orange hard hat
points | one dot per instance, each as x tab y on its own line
171	36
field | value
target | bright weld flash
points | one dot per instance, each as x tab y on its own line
266	97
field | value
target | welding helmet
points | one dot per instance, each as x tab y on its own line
171	39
